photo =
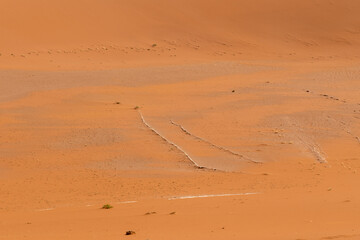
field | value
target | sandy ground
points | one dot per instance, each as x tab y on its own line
193	119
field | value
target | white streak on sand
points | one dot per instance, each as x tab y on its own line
211	195
45	209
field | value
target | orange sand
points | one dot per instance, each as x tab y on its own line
117	101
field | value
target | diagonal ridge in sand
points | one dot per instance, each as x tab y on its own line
305	140
173	144
212	144
312	147
315	149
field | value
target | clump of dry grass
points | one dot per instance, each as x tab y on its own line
107	206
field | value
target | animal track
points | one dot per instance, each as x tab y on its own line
326	96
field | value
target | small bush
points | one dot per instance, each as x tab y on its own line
107	206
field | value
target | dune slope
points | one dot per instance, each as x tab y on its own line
112	30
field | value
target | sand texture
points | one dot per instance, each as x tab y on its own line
196	120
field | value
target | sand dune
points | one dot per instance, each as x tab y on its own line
47	24
108	34
193	119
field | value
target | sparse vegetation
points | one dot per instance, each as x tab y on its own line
154	45
136	107
107	206
129	233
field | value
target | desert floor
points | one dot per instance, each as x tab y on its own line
191	129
